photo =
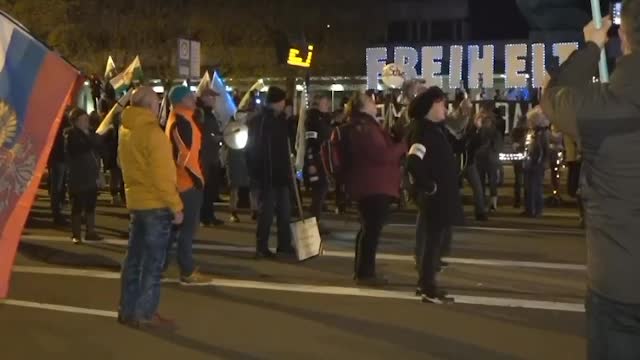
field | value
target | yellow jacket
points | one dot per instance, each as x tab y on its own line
147	163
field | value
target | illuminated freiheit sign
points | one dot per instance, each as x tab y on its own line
296	59
524	64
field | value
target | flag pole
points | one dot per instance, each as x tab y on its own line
597	19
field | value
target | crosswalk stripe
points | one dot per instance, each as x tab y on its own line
350	255
320	290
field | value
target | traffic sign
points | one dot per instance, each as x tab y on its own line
188	58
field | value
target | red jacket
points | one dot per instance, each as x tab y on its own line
375	159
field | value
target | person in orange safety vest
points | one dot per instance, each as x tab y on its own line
185	138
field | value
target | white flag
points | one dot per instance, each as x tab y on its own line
110	71
301	141
205	83
107	122
123	80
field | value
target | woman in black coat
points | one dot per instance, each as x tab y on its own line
83	161
433	173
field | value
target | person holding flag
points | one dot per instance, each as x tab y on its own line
605	120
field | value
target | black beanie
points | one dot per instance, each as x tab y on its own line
421	105
275	95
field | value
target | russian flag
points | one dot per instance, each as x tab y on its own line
35	86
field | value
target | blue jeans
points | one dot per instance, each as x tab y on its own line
140	279
534	190
185	232
613	329
274	201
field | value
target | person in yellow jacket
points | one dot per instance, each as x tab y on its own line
154	204
185	137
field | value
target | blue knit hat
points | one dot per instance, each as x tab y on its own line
178	93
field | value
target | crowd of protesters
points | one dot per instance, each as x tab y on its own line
169	177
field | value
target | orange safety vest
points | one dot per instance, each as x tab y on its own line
188	159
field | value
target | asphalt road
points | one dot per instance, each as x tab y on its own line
518	285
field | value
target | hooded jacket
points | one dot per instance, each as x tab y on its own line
147	162
605	120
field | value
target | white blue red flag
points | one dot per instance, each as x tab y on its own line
225	107
35	86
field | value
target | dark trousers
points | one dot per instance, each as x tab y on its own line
374	211
83	203
437	243
573	178
613	329
518	171
56	182
185	232
319	193
341	196
292	198
473	178
149	234
274	201
534	190
488	170
210	193
116	183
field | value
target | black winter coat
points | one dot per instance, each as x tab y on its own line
82	153
433	171
318	130
211	137
268	155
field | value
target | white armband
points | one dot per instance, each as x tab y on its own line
418	150
311	135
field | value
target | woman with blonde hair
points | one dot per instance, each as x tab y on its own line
537	155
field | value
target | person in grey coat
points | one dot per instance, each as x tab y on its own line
605	119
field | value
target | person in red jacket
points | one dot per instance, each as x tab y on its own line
373	180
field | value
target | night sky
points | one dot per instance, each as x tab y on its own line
486	24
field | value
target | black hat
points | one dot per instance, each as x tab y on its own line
421	105
275	95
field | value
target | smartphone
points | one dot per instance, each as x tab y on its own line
616	12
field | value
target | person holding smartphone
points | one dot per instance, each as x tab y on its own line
605	121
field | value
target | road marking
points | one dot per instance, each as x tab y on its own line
505	230
60	308
321	290
349	255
